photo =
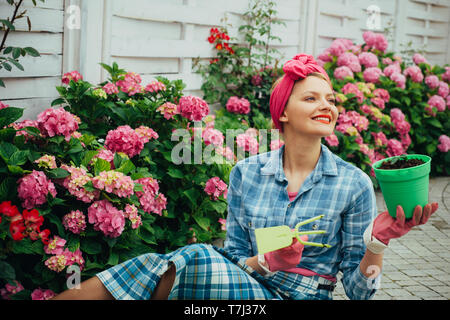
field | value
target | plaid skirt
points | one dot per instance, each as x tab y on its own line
205	272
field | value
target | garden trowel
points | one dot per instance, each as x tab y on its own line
274	238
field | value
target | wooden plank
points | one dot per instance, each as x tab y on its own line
432	32
32	107
43	66
148	65
17	88
193	81
440	3
439	16
131	28
41	41
157	48
331	8
41	19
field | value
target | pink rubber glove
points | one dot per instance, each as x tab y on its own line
386	228
286	258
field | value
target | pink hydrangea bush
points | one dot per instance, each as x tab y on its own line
106	218
57	122
33	189
238	105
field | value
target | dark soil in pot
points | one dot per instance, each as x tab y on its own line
400	163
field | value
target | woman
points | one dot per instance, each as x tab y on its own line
301	180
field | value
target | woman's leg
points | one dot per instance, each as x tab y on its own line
91	289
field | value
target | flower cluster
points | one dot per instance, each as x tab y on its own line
212	136
146	133
75	184
124	139
33	189
62	257
193	108
53	122
3	105
41	294
236	105
10	290
215	187
131	213
106	218
114	182
220	39
247	142
444	143
46	162
168	109
71	76
155	87
150	199
74	221
130	84
27	224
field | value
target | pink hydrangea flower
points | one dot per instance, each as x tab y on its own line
74	75
3	105
223	223
387	61
402	127
131	213
339	46
415	73
149	185
193	108
75	221
124	139
10	290
418	59
46	161
444	143
332	140
375	40
236	105
432	81
383	94
380	139
378	102
59	122
23	124
325	56
114	182
212	136
443	90
406	141
106	218
146	133
110	88
226	152
247	143
41	294
353	88
438	102
446	74
106	155
74	257
56	263
368	60
394	148
155	87
397	115
215	187
33	189
350	60
391	69
168	109
276	144
55	246
372	74
150	200
75	182
343	72
399	79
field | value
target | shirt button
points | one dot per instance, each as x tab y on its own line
249	224
289	205
315	226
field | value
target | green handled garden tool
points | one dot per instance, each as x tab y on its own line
274	238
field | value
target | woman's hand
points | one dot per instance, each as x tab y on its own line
386	228
286	258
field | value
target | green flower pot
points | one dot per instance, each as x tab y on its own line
406	187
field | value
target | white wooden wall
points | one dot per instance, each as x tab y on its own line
155	37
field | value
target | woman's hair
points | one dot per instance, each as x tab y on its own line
312	74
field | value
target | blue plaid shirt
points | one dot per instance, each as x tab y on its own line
258	198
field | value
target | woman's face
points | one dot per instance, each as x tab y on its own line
310	109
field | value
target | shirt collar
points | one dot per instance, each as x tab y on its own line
325	166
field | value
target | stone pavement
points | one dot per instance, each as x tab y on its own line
417	266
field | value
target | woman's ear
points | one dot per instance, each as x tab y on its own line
284	117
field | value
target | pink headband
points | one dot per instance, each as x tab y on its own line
298	68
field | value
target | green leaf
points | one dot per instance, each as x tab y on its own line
7	272
126	167
19	158
219	206
101	165
203	222
192	194
58	173
90	246
9	115
176	173
113	258
15	170
88	157
58	101
32	52
435	122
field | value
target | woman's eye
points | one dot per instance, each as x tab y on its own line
332	101
309	99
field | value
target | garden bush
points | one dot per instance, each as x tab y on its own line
387	107
110	172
